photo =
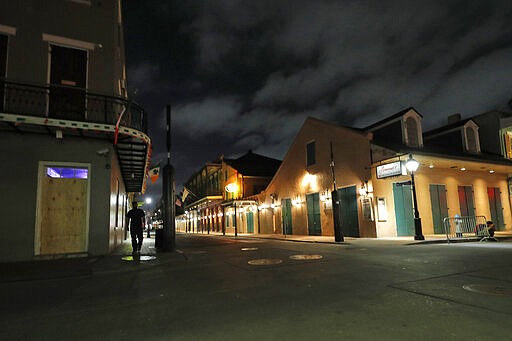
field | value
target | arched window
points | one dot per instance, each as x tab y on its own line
411	127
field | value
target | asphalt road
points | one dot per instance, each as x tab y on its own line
209	290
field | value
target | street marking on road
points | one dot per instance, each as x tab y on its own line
265	261
306	257
249	248
488	289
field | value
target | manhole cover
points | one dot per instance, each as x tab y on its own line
138	258
249	248
306	257
267	261
488	289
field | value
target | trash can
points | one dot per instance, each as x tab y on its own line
159	235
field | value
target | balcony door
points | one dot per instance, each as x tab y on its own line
68	74
3	69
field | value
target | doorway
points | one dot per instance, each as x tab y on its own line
439	207
313	207
495	207
286	211
349	219
3	69
466	201
68	74
402	195
250	222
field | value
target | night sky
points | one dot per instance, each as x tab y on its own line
243	75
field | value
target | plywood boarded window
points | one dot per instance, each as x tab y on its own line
63	210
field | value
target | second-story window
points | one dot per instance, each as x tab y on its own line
310	154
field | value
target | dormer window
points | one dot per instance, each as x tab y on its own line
472	142
412	130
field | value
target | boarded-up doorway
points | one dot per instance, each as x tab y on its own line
62	210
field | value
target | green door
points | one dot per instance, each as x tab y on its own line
348	209
404	214
466	202
496	208
286	212
250	222
313	205
439	207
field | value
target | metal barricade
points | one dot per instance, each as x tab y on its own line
469	227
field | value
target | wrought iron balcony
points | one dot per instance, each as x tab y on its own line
48	108
69	103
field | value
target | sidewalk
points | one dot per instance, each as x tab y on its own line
120	260
429	239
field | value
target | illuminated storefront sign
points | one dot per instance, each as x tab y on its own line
391	169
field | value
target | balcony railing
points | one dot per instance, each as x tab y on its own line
69	103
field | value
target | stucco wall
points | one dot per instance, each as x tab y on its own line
352	158
19	180
96	24
451	178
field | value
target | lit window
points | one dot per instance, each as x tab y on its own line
67	172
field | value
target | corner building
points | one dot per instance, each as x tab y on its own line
74	147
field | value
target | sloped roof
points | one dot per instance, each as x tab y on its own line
252	164
446	128
391	118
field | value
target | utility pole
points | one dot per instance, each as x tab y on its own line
336	207
169	233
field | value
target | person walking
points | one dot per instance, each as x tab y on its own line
136	218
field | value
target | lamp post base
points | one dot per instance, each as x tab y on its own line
418	230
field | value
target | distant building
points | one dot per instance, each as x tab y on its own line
222	194
65	184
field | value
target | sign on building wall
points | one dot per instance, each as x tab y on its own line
382	211
391	169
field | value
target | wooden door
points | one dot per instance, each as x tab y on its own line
349	219
286	212
313	207
439	207
496	208
3	69
466	202
250	222
404	212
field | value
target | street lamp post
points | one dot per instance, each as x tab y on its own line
412	165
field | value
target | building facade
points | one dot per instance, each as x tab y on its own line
222	195
74	147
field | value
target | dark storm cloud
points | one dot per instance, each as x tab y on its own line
249	72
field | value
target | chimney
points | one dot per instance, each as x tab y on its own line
454	118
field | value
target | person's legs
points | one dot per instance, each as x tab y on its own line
140	236
133	234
